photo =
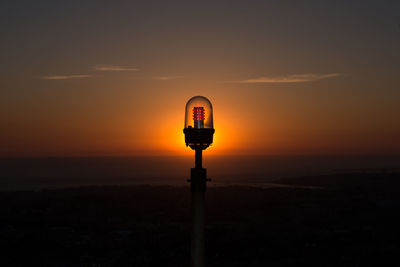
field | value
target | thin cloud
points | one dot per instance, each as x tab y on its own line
66	77
166	78
113	68
294	78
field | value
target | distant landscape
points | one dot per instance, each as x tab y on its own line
338	219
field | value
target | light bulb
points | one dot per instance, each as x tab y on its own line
198	117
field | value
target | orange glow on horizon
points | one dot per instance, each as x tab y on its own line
245	124
172	139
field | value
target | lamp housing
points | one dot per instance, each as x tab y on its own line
199	130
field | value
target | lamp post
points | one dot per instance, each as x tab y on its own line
199	133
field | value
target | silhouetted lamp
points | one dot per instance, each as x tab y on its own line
199	133
199	129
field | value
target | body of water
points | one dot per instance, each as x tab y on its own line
40	173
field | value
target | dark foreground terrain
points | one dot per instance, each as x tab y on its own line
346	220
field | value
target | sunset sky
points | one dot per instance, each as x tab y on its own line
93	78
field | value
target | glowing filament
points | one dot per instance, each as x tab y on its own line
198	117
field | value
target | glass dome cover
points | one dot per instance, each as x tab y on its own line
199	113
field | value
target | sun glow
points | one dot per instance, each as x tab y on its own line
172	140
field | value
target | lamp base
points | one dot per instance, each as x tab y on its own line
197	138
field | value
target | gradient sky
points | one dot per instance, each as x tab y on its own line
82	78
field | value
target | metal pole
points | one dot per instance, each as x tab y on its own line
198	181
198	158
198	229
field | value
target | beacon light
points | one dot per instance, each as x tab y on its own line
198	129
